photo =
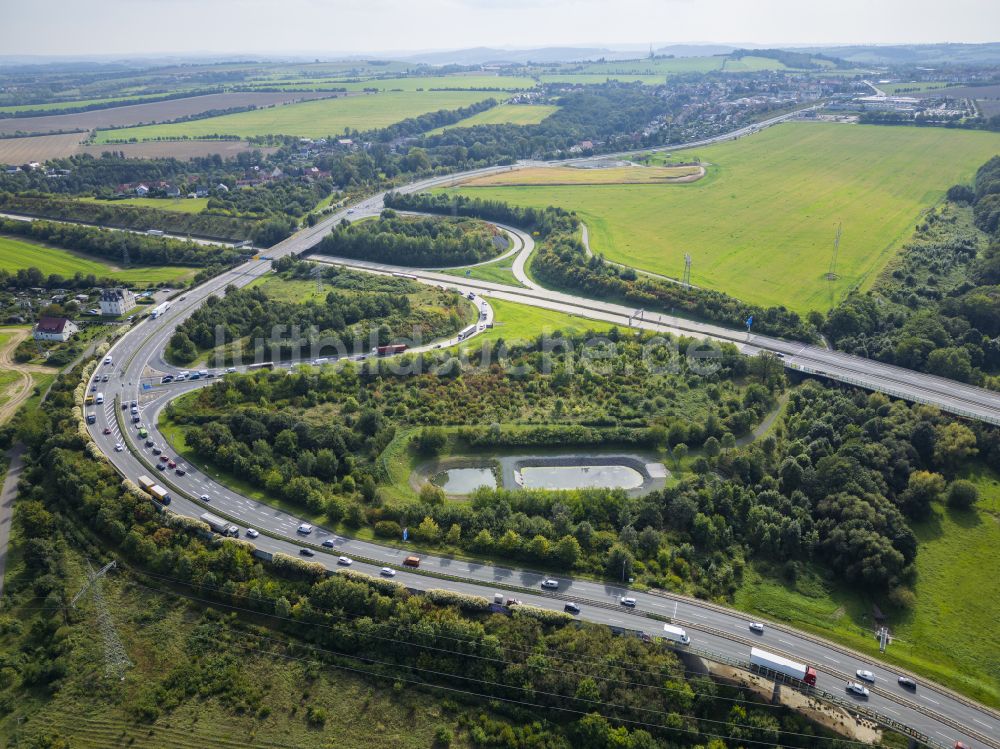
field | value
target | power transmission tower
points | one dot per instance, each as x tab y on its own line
116	660
832	274
317	274
686	280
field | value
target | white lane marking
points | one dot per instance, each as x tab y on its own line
834	660
890	709
930	700
695	613
984	725
786	642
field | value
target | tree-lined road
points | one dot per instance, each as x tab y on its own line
941	715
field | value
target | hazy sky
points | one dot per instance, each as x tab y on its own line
75	27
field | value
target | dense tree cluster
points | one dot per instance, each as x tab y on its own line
415	241
115	245
357	307
937	309
603	679
123	216
561	261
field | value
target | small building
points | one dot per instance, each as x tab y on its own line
116	301
173	192
142	190
221	187
54	329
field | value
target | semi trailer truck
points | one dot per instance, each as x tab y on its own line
769	663
220	526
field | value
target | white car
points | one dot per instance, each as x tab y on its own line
854	688
230	370
346	561
205	498
865	675
387	572
119	447
757	627
628	601
305	529
107	359
251	533
550	583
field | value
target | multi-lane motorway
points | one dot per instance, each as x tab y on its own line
939	714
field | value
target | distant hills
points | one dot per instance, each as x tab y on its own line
914	54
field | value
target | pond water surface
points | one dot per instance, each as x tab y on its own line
465	480
580	477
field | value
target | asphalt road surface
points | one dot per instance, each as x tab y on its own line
137	365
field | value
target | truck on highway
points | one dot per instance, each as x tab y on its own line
675	634
160	494
769	664
220	526
145	483
395	348
159	310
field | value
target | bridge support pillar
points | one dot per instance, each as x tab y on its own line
913	744
776	694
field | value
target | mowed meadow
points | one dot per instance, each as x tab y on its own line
761	224
312	119
16	254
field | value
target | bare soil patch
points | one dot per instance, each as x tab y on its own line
39	148
177	149
619	175
161	111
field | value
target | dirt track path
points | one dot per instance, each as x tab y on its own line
19	391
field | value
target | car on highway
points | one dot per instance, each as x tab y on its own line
305	529
107	430
857	689
251	533
136	419
106	378
906	682
134	404
387	572
206	498
93	388
107	359
571	608
164	458
757	627
171	464
181	377
161	466
142	432
166	379
627	601
119	447
230	370
157	450
307	552
150	443
180	470
124	406
550	584
328	543
346	561
865	675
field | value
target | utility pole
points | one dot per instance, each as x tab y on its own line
686	280
832	273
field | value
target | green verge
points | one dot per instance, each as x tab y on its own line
958	581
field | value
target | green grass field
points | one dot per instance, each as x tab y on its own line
761	224
16	254
54	107
312	119
515	321
504	82
894	88
949	635
588	78
667	66
180	205
504	114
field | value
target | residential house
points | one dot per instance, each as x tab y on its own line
54	329
116	301
141	190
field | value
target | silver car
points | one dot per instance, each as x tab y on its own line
865	675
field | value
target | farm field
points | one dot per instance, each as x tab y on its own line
313	119
761	225
587	78
504	114
504	82
181	205
628	175
57	105
177	149
16	254
912	87
39	147
135	114
947	634
667	66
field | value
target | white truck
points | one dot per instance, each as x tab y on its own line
769	663
220	526
675	634
160	494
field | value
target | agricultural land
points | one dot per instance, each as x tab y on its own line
314	119
761	225
505	114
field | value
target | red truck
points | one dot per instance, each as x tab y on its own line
394	348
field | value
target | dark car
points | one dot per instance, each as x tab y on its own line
906	682
571	608
136	418
307	552
164	458
161	466
180	471
150	443
157	451
107	430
